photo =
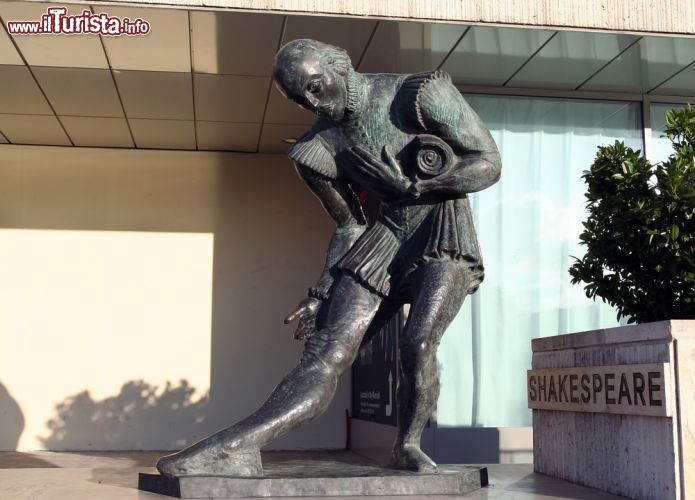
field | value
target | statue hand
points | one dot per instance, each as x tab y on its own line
306	311
387	174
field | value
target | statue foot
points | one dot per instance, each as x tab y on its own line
411	457
213	461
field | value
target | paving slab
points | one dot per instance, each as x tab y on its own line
114	476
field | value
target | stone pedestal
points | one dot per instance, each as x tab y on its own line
615	409
321	478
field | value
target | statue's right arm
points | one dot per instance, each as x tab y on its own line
343	206
441	110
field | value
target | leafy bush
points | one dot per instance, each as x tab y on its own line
640	231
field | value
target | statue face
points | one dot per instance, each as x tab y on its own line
313	85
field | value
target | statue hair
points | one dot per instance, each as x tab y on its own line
334	57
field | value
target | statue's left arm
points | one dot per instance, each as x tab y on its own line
316	167
442	111
342	205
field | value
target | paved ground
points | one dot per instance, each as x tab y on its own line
113	476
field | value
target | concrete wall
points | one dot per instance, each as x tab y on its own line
639	16
142	295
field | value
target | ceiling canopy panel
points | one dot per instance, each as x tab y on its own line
72	51
645	65
490	56
20	94
33	129
230	98
163	134
98	132
165	48
155	94
233	43
683	83
569	59
8	53
80	92
202	80
625	73
350	34
222	136
402	47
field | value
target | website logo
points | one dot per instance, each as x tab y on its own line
57	21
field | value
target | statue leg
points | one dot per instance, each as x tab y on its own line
439	288
303	394
387	310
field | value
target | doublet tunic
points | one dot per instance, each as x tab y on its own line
405	233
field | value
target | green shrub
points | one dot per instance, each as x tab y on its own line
640	230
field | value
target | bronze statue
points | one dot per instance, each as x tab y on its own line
413	143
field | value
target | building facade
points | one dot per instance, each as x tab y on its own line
153	233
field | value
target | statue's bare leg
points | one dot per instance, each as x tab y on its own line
439	288
303	394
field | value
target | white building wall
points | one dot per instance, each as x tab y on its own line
143	292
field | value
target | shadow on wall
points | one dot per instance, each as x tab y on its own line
11	421
269	250
140	417
270	236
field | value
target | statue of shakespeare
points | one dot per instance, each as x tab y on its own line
415	145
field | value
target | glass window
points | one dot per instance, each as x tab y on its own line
661	146
528	225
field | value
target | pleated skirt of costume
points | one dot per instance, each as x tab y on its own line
386	252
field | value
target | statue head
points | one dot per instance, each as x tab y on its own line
314	75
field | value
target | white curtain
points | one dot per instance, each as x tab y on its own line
528	225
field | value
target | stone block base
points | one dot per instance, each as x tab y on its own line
615	409
321	478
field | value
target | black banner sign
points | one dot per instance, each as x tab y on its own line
374	376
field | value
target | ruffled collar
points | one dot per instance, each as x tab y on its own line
355	93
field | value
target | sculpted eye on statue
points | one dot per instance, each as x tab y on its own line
415	145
